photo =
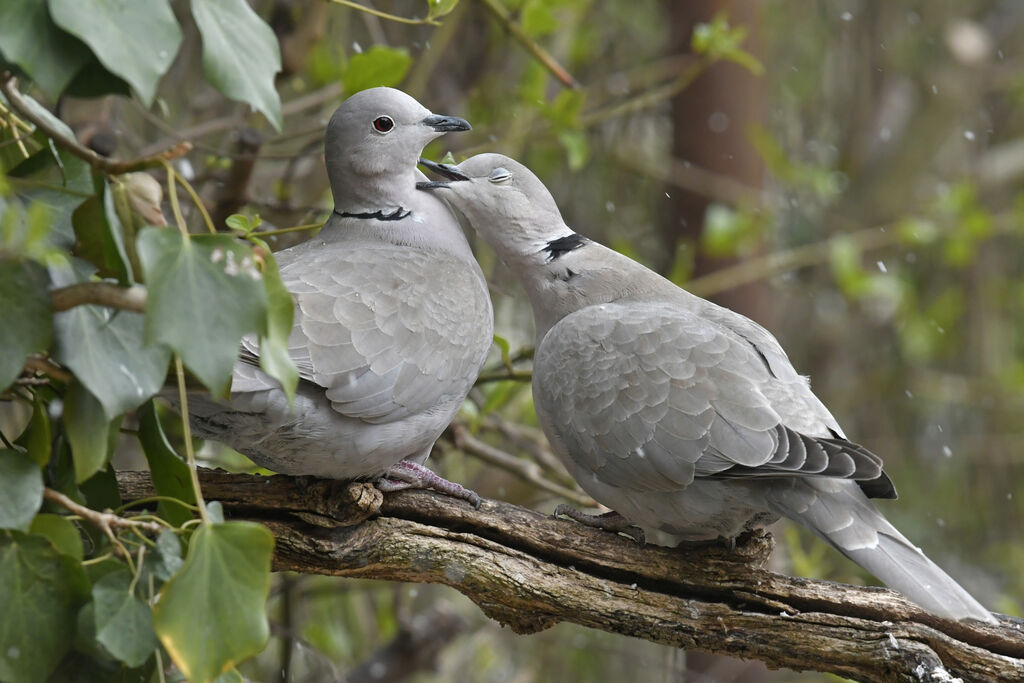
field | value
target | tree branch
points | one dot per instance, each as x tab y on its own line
530	571
499	12
111	166
100	293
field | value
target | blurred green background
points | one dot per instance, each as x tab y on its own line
847	173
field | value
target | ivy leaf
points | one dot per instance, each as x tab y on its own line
61	531
274	357
171	477
38	438
124	624
30	39
88	431
204	295
135	40
106	350
28	319
40	590
240	54
21	490
377	66
226	579
164	561
100	240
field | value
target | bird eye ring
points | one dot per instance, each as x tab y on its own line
383	124
499	175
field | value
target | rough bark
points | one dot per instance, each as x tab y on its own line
530	571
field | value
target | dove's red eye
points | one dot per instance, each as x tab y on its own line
383	124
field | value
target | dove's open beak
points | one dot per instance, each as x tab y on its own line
444	170
446	124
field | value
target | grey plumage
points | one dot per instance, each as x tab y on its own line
392	316
679	414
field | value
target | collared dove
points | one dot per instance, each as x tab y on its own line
676	413
392	317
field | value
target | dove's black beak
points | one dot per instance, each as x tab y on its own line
444	170
446	124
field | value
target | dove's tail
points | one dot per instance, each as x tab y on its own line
841	514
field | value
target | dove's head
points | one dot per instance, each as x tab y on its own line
376	136
503	201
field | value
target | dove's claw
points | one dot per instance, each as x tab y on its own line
609	521
407	474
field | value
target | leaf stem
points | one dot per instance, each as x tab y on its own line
172	197
385	15
195	198
540	54
190	456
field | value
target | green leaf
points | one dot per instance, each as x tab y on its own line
38	438
28	321
21	490
439	8
240	54
171	477
61	531
124	624
204	295
88	431
106	350
577	150
537	19
226	579
99	241
94	80
505	348
718	40
40	590
30	39
377	66
135	40
164	561
275	360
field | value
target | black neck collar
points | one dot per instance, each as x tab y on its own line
396	215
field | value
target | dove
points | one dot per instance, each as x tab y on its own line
392	318
678	414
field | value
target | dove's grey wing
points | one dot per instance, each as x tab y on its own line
650	396
387	332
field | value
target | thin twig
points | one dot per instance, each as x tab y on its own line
532	440
104	521
36	363
539	53
647	99
524	469
385	15
760	267
9	88
100	293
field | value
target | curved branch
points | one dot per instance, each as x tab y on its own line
540	54
102	163
100	293
530	571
